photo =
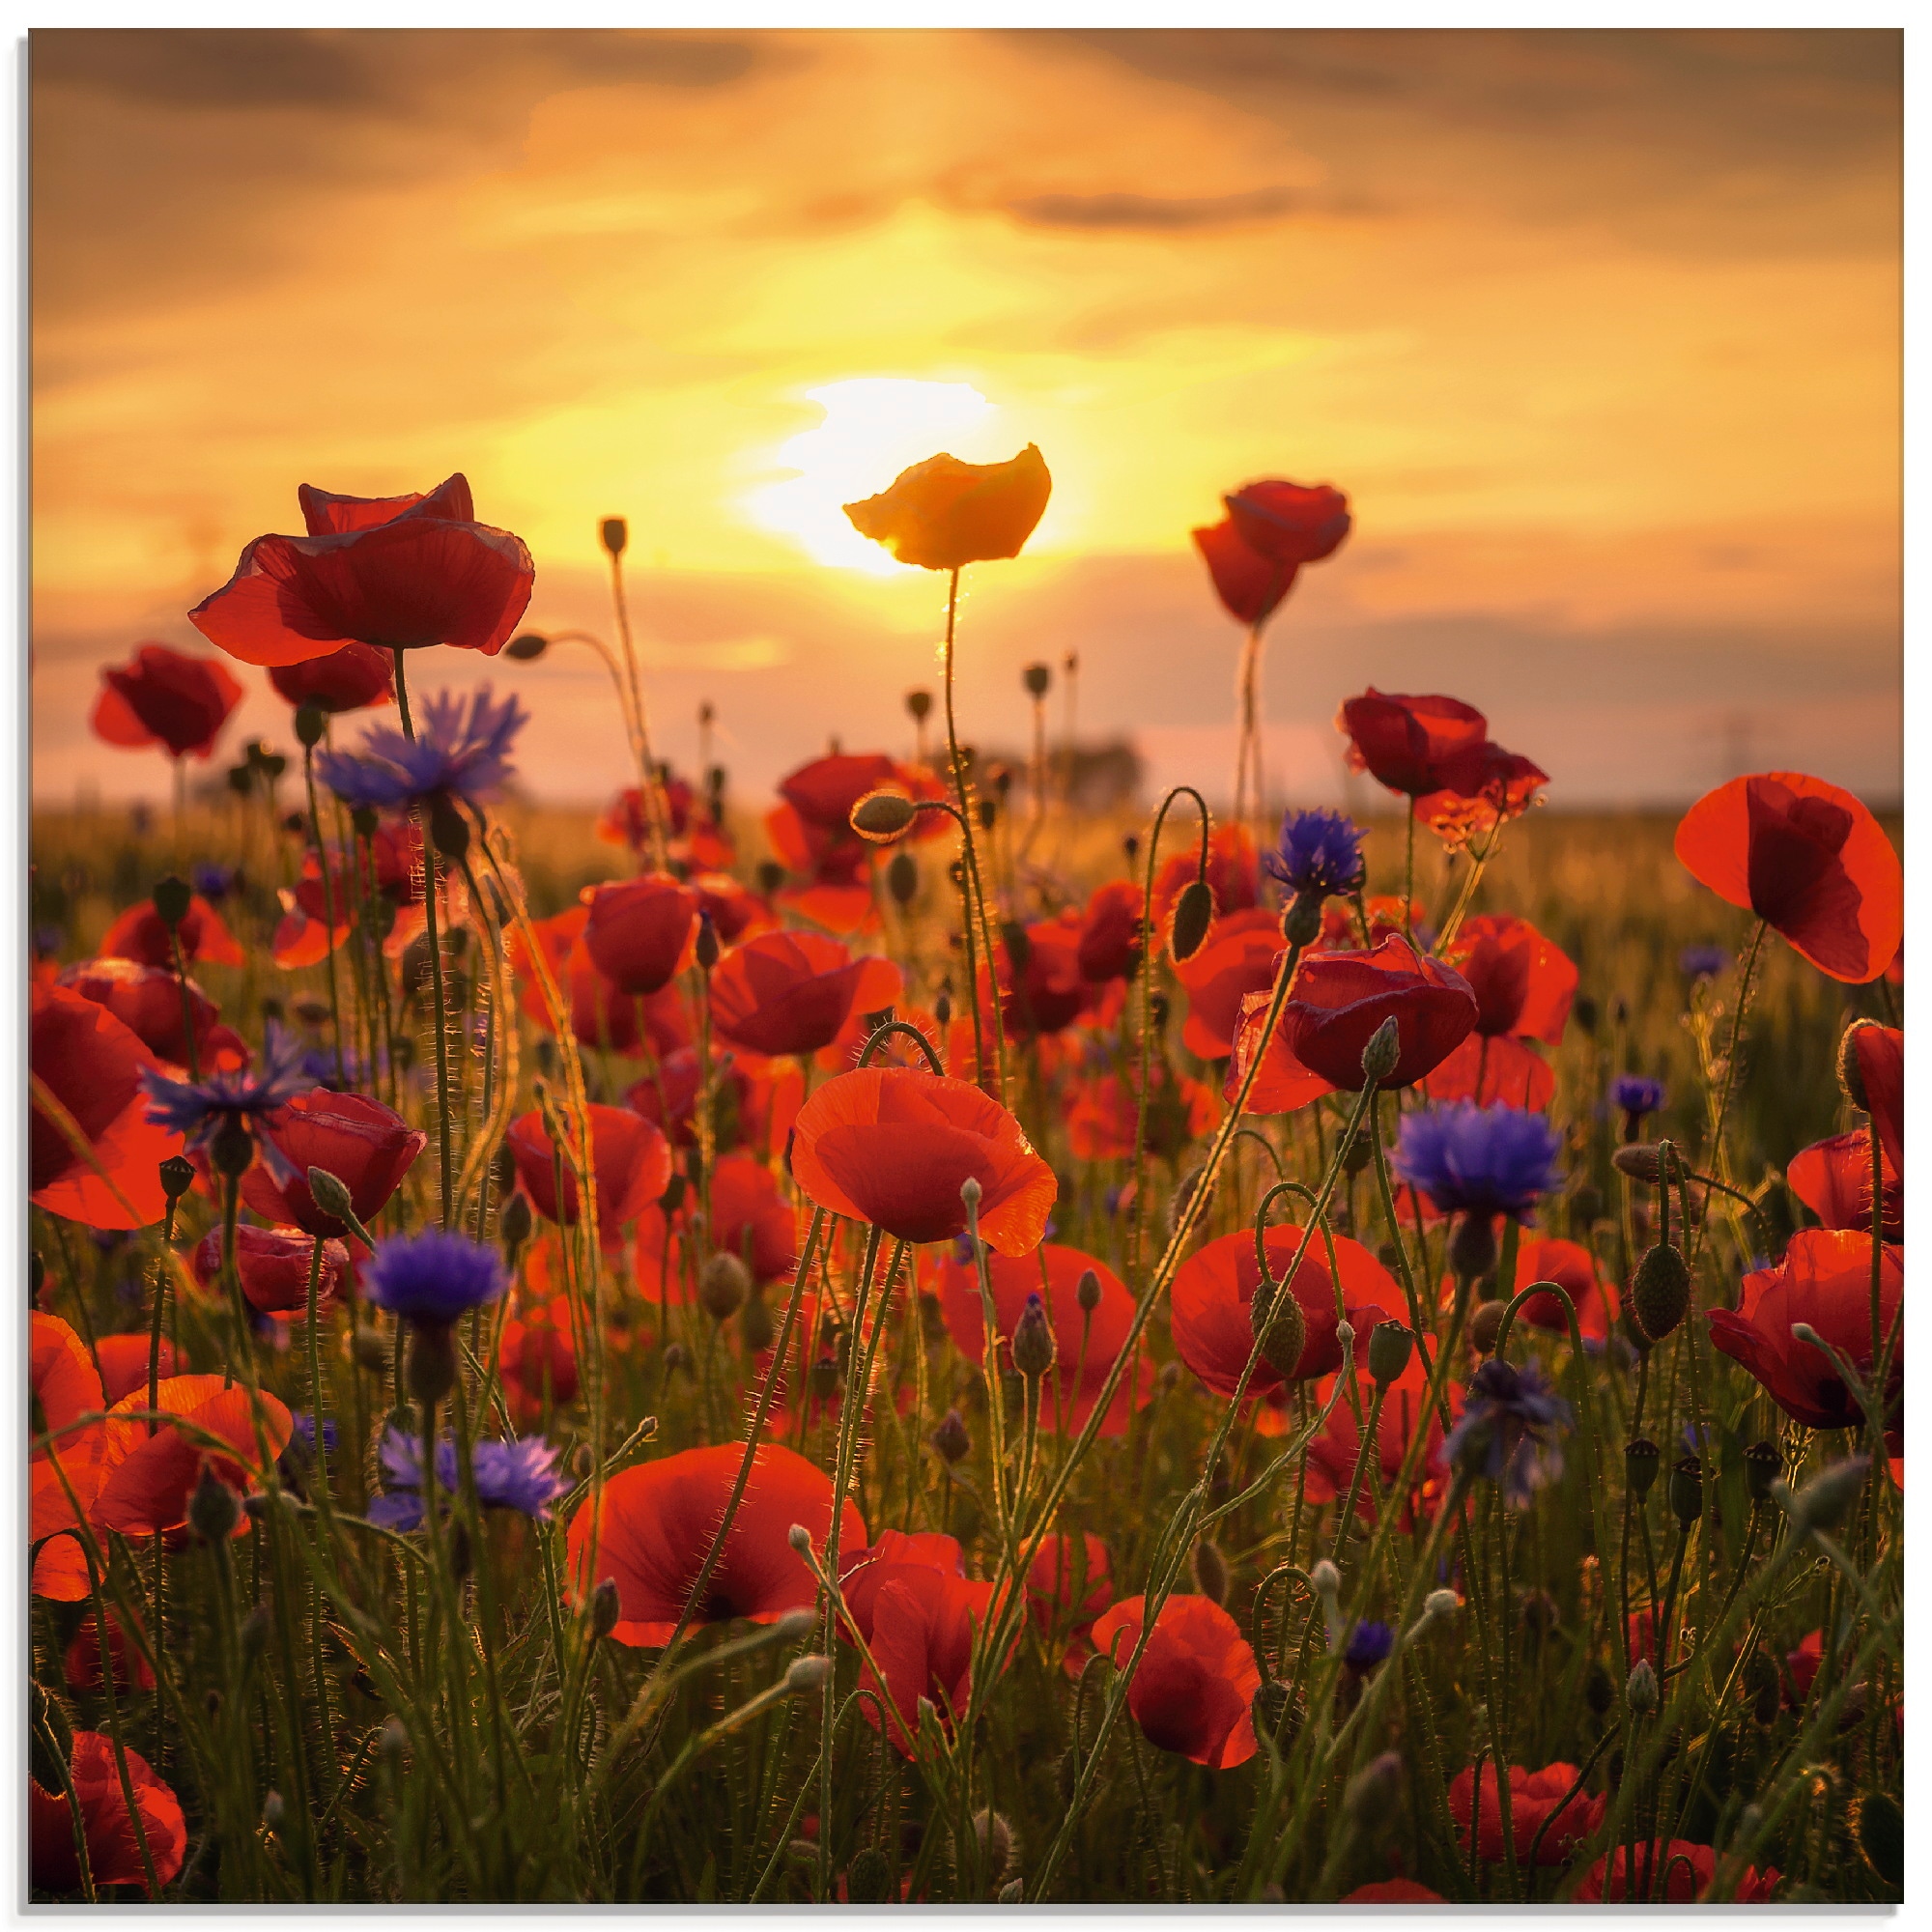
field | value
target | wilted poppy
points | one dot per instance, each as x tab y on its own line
1574	1269
1825	1279
943	514
1234	878
1085	1345
123	1362
371	572
639	931
790	992
1211	1290
141	934
156	1008
81	1665
91	1065
630	1160
658	1522
1046	990
146	1479
366	1146
1810	860
1238	958
1249	584
1533	1796
273	1264
893	1144
345	680
113	1841
1406	742
1676	1873
1339	1001
1833	1179
1110	931
1196	1682
1290	523
167	698
1523	986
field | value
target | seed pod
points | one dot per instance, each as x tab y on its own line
613	533
230	1153
515	1223
1686	1490
1390	1346
918	706
1383	1052
1038	680
883	815
177	1177
1641	1692
1357	1155
1210	1571
1193	915
311	723
213	1510
903	877
675	1359
1661	1291
1281	1327
1033	1344
1485	1325
1762	1464
827	1377
723	1284
951	1438
172	900
1645	1161
1641	1457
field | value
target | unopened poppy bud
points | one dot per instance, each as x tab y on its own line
213	1510
1038	680
1762	1464
1645	1161
371	1350
1012	1892
675	1358
827	1377
527	646
331	1193
705	949
273	1811
1020	947
1641	1457
996	1844
515	1223
755	1326
970	1192
1210	1571
805	1675
723	1284
1641	1692
1356	1156
988	815
1825	1501
429	1369
1373	1792
172	900
1033	1349
1661	1290
1686	1490
1851	1076
869	1878
883	815
1383	1052
176	1175
1280	1327
230	1152
950	1437
462	1554
1182	1202
604	1605
918	706
613	533
1440	1604
1485	1325
903	877
1302	922
1193	915
1087	1291
1390	1346
1472	1249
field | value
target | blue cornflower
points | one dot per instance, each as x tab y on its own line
433	1277
521	1475
1319	853
1479	1160
47	941
213	882
1509	1429
301	1432
1702	962
1368	1645
199	1109
463	750
1635	1096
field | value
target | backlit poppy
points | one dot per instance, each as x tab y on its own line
1481	788
273	1264
1524	986
1196	1681
150	1001
1340	998
1676	1873
1102	1112
1574	1269
1110	931
62	1386
81	1663
365	1144
1881	1058
371	572
1249	584
1290	523
893	1146
1834	1178
790	992
1825	1279
1069	1581
667	1095
91	1065
1234	878
641	931
1049	992
1406	742
345	680
1238	958
146	1479
123	1362
631	1161
1406	1407
1085	1348
1534	1795
658	1523
537	1354
1281	1083
165	698
1810	860
1211	1290
139	933
943	514
113	1842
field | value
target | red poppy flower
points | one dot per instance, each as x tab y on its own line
145	1479
366	1146
537	1353
113	1843
790	992
943	514
139	934
750	1218
1393	1891
1832	1177
1407	742
1234	878
1282	1083
641	931
1533	1796
1809	859
1825	1279
57	1486
273	1264
1802	1666
1388	913
1211	1290
64	1386
735	913
1574	1269
124	1363
1290	523
1102	1112
1085	1349
1196	1679
658	1522
345	680
1881	1058
148	1001
1334	1453
1482	787
1340	998
165	698
1049	992
370	573
892	1144
909	1599
81	1663
1110	933
1238	957
667	1095
91	1065
629	1157
1068	1581
1677	1873
1249	584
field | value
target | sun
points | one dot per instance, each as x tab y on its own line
875	427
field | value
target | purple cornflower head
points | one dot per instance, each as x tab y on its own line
463	750
1319	854
433	1277
1703	962
520	1475
198	1109
1368	1645
1479	1160
212	882
301	1432
1509	1430
1635	1095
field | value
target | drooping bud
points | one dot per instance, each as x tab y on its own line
1851	1076
1383	1052
1033	1344
1390	1346
331	1193
1645	1161
172	898
604	1607
527	646
883	815
1641	1457
1762	1464
869	1878
1825	1501
213	1510
1280	1326
805	1675
176	1175
723	1284
951	1438
1210	1571
1660	1294
1193	915
1640	1690
1686	1490
613	533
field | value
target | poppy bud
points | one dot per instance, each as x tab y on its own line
1880	1830
448	828
970	1192
1033	1349
675	1359
273	1811
1661	1290
1645	1161
755	1326
527	646
1373	1792
988	815
1037	678
371	1350
613	533
1210	1571
919	704
394	1742
515	1223
1485	1325
331	1193
1641	1457
826	1378
429	1369
1390	1344
604	1608
1762	1463
1641	1692
705	950
232	1149
1183	1199
1472	1251
951	1438
771	876
1825	1501
941	1009
723	1284
311	721
996	1844
462	1555
1302	924
1020	947
172	898
1012	1892
1686	1490
869	1878
1851	1077
1383	1052
1193	915
1087	1291
883	815
1280	1326
177	1177
903	877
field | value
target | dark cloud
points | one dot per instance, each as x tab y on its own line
208	67
1159	214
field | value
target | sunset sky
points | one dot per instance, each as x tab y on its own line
1598	331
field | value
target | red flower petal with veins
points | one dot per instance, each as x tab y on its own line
1196	1682
165	698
